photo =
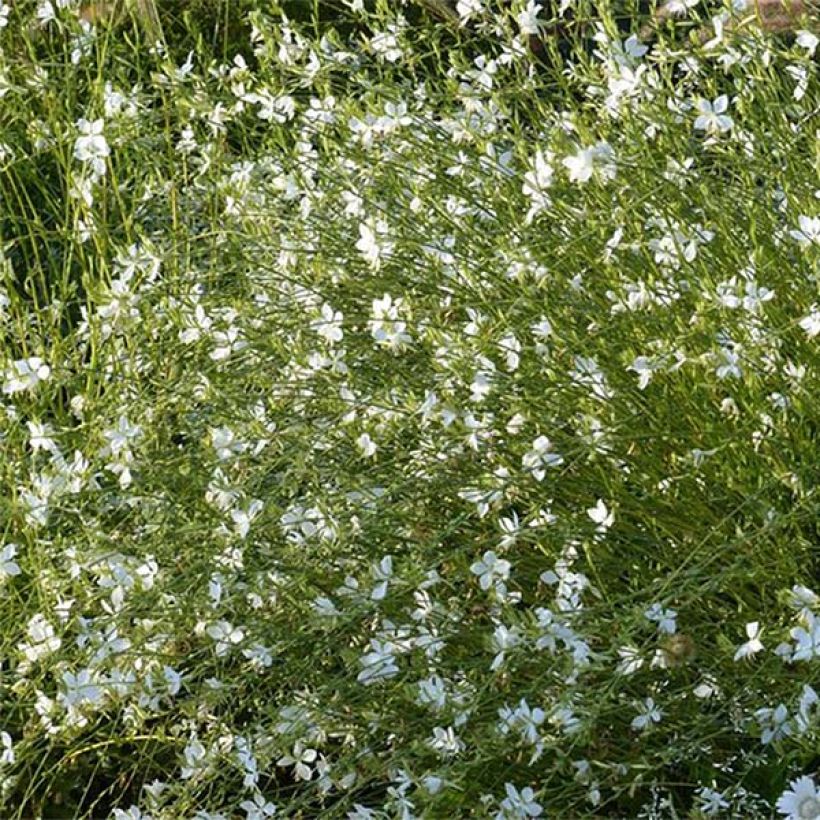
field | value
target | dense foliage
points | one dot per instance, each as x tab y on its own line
396	425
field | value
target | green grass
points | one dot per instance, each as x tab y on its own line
321	329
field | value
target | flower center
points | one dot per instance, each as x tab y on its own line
809	808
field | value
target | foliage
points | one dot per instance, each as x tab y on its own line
396	426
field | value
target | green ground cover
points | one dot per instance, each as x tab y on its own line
393	425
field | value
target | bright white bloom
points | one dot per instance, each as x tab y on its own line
665	618
467	8
490	570
377	664
648	715
528	21
225	635
599	158
6	749
803	598
242	519
811	323
446	742
809	231
366	445
808	699
775	723
645	367
536	183
727	364
80	690
712	802
386	44
808	40
227	342
373	243
329	324
91	147
259	808
753	645
25	374
511	348
678	8
713	117
801	801
121	437
382	574
522	719
808	639
42	640
432	693
386	327
224	441
8	566
601	516
518	804
195	756
301	759
541	457
631	660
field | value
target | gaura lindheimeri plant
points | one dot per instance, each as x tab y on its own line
395	426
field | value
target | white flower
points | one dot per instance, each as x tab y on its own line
378	663
195	759
601	516
536	183
631	660
8	566
645	367
805	39
242	519
809	232
528	21
385	326
728	364
677	8
301	759
25	374
753	645
7	750
775	723
258	809
490	569
372	242
665	618
91	147
329	324
366	445
511	348
518	804
811	323
541	456
445	741
808	639
801	801
382	573
225	636
42	640
80	689
713	117
649	714
597	158
712	802
467	8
